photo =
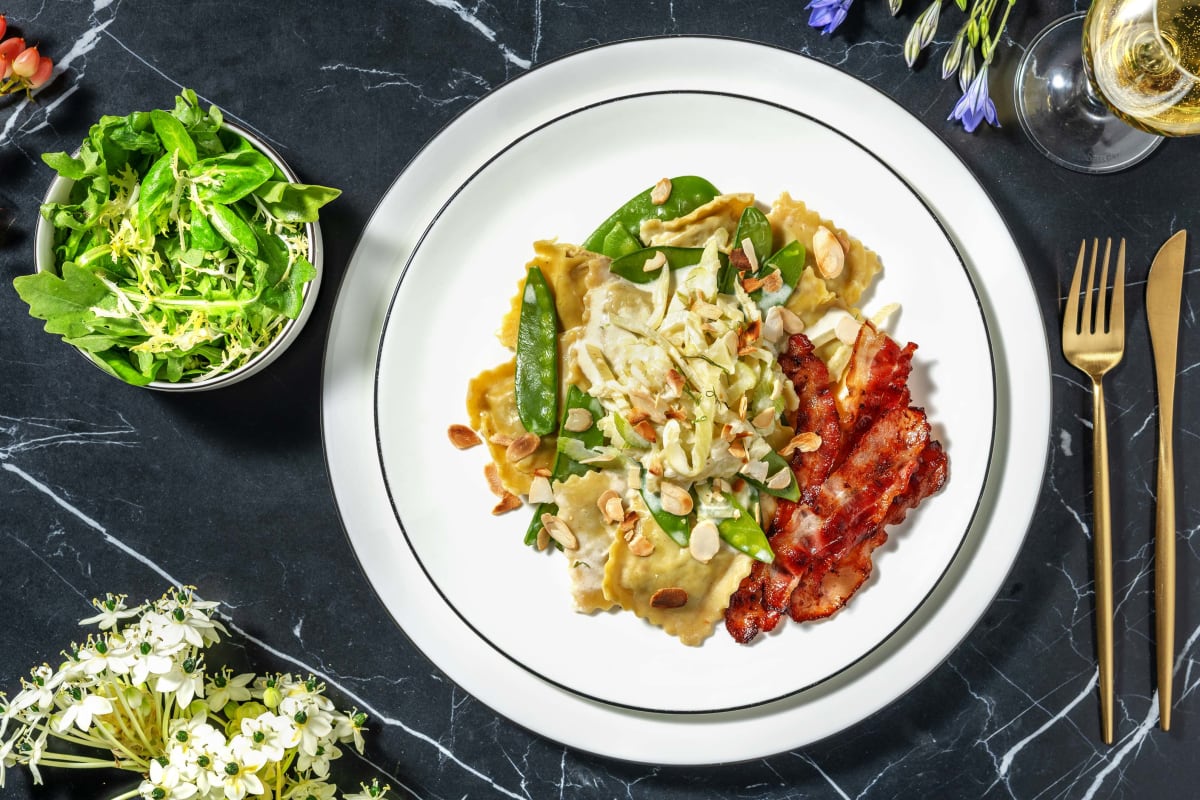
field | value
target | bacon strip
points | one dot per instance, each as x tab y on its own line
877	460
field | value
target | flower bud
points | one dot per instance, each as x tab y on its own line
26	62
272	697
10	47
3	26
953	57
44	70
5	68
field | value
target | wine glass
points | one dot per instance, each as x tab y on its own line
1097	91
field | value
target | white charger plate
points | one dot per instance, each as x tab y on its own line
460	281
522	676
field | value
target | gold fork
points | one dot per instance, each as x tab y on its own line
1095	344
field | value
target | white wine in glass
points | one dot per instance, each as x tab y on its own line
1144	57
1097	92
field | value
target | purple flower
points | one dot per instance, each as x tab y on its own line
975	106
827	14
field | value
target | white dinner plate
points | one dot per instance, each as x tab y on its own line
549	155
460	281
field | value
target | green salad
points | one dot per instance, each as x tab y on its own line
181	252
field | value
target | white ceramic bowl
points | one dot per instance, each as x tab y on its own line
59	192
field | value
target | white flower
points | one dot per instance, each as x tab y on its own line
349	727
147	661
318	789
237	775
268	733
222	689
372	792
82	706
112	610
105	654
318	762
185	683
165	783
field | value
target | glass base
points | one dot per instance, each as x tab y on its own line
1061	114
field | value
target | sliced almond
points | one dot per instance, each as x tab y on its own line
611	507
670	597
646	431
501	439
676	381
727	433
628	523
828	252
847	330
706	310
751	256
543	539
773	282
792	324
578	420
661	192
559	532
543	472
522	447
640	546
807	442
655	261
743	406
492	473
508	502
540	491
463	437
780	480
737	450
751	284
705	541
677	414
675	499
764	418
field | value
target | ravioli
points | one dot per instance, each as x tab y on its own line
576	501
570	271
693	230
631	581
792	219
492	409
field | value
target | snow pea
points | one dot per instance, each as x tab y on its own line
632	266
744	534
789	260
688	192
755	226
565	466
775	463
673	525
537	356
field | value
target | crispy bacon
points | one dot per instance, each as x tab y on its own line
876	462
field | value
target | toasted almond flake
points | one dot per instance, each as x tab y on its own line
773	282
646	431
737	450
807	442
655	468
677	414
629	523
508	502
737	485
522	447
843	239
847	330
501	439
828	252
640	546
792	324
559	531
462	437
780	480
764	418
611	507
751	256
705	541
578	420
676	381
743	406
751	284
670	597
540	491
637	417
727	433
655	261
661	191
543	539
543	472
651	406
675	499
492	473
706	310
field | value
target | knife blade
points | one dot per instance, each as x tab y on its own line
1163	289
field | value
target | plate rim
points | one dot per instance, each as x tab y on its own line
866	151
751	747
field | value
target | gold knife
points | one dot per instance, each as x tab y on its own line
1163	289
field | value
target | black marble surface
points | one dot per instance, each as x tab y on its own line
107	488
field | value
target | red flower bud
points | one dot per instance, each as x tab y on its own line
10	47
44	70
26	62
5	68
3	26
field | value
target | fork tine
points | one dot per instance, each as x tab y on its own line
1102	291
1088	325
1071	315
1116	319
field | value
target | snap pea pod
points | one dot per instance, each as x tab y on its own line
688	193
755	226
632	266
673	525
789	260
565	466
744	534
775	463
537	356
